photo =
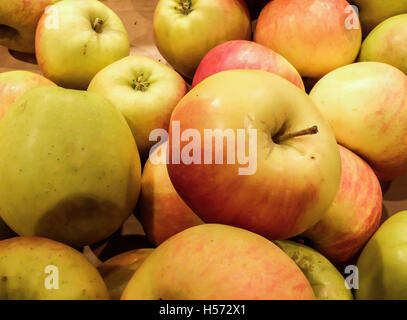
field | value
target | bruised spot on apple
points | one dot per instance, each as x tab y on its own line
242	54
353	216
162	211
212	262
295	169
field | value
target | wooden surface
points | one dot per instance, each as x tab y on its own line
137	16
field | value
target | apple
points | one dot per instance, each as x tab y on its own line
69	166
212	262
76	39
280	167
316	36
117	271
5	231
386	43
185	30
242	54
33	268
382	263
366	105
14	83
353	216
372	12
162	212
325	279
18	21
145	91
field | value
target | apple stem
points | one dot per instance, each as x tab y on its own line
184	6
308	131
97	25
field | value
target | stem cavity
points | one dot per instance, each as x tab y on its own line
97	25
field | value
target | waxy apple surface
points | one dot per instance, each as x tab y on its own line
212	262
242	54
18	21
382	263
286	185
76	39
387	43
365	103
353	216
14	83
185	30
162	213
145	91
316	36
33	268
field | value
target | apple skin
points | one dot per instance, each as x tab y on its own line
18	21
117	271
14	83
162	212
382	263
372	12
311	34
76	173
23	261
184	39
366	105
73	64
150	106
242	54
326	281
386	43
353	216
294	182
212	262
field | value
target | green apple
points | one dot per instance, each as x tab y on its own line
293	167
117	271
387	43
372	12
382	263
14	83
145	91
185	30
33	268
325	279
366	105
18	21
75	39
69	166
212	262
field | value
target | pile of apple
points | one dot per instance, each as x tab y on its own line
102	135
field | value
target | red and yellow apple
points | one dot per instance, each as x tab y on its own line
162	212
366	105
280	167
212	262
76	39
382	263
353	216
18	21
316	36
117	271
387	43
242	54
185	30
372	12
14	83
145	91
33	268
